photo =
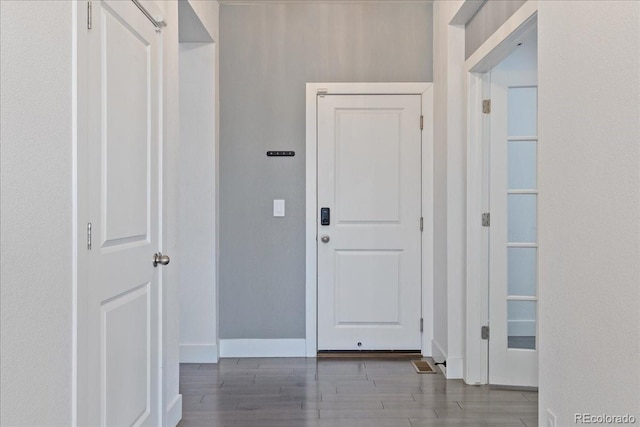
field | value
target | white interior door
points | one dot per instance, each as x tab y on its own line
124	211
369	253
513	247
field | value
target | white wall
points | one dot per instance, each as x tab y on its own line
449	189
36	231
197	204
207	13
589	211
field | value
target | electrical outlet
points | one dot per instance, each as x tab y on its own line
551	419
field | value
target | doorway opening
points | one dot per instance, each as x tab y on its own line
502	306
196	191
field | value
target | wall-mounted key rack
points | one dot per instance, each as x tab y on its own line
281	153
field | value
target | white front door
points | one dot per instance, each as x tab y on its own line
369	209
513	247
124	211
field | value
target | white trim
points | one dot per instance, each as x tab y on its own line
455	368
427	214
174	411
311	290
455	365
263	348
501	43
426	90
490	54
439	356
467	10
477	312
198	353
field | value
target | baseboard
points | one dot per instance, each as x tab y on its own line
198	353
455	368
263	348
439	356
455	365
174	411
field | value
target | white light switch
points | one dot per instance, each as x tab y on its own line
278	207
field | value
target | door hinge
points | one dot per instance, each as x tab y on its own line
486	219
421	324
89	236
421	122
89	18
486	106
484	332
421	224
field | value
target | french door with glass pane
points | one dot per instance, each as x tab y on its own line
513	247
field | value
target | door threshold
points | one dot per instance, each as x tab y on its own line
369	354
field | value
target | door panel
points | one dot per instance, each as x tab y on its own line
126	339
513	247
124	210
367	151
372	279
125	91
369	287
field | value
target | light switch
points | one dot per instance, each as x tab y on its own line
278	207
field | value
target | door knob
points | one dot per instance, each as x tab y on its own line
325	238
158	258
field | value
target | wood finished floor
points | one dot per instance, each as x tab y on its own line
298	392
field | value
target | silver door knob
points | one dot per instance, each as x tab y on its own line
158	258
325	238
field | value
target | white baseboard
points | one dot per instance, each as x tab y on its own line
455	368
438	355
198	353
455	365
174	411
263	348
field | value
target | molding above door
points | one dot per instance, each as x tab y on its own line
312	91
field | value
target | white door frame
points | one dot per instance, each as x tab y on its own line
490	54
426	92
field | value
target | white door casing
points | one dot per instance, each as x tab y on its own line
369	176
513	355
124	184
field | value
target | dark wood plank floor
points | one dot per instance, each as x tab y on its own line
298	392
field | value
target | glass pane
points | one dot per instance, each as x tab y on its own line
522	218
523	111
522	271
521	324
522	165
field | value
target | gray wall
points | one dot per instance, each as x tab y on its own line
268	52
486	21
